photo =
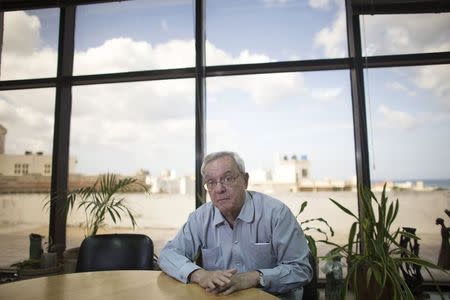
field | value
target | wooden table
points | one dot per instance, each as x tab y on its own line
108	285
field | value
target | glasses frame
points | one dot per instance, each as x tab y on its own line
231	181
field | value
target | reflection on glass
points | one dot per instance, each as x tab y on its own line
30	44
144	130
264	31
295	134
134	36
410	120
26	136
403	34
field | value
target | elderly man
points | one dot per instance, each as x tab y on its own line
246	239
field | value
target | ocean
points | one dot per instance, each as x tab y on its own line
432	183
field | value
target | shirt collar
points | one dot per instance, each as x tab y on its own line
247	211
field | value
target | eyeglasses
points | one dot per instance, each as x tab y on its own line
227	181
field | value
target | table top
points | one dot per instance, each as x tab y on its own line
110	285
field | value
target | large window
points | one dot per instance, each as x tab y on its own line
410	125
26	124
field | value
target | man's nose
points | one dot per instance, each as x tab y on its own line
220	186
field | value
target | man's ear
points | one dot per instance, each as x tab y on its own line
246	176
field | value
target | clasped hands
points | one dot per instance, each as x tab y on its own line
224	281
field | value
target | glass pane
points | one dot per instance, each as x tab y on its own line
26	137
294	132
144	130
403	34
410	122
262	31
30	44
134	36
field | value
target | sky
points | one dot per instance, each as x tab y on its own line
151	125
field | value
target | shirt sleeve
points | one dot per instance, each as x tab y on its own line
177	257
291	248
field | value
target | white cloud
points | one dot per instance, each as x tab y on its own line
22	55
397	119
397	86
436	79
321	4
389	34
326	95
333	38
216	56
261	89
125	54
28	117
274	2
21	33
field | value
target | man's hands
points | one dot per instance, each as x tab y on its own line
224	281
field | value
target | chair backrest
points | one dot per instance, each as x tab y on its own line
115	252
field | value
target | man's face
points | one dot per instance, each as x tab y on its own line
228	198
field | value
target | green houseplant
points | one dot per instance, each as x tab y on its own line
102	199
374	272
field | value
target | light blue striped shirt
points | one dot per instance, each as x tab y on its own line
266	237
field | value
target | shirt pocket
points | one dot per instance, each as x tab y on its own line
211	259
263	255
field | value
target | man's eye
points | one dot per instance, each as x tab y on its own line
210	182
228	179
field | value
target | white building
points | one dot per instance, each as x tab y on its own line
290	170
27	163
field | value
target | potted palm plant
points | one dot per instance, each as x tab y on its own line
102	199
374	269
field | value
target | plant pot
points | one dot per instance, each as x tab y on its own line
372	290
70	258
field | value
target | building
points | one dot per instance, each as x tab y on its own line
28	163
290	170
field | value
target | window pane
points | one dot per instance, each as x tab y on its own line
294	132
26	137
30	44
403	34
134	36
144	130
263	31
410	121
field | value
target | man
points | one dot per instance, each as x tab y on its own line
246	239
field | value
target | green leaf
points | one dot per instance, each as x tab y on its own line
347	211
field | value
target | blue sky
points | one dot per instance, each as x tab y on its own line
126	127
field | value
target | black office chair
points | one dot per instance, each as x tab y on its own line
115	252
310	291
